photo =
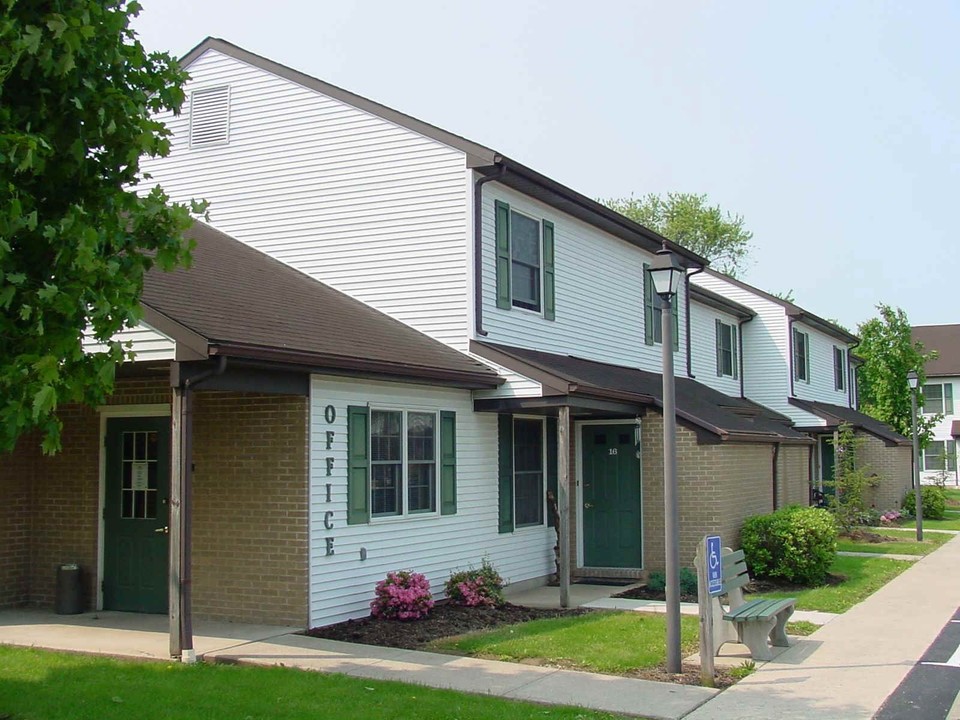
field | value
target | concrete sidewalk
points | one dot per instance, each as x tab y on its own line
846	669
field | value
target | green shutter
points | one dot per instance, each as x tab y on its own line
505	427
719	328
448	462
549	301
358	473
552	464
734	349
948	398
950	448
647	305
806	354
502	232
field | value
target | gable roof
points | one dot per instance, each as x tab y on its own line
792	310
835	415
945	339
723	416
480	157
720	302
239	302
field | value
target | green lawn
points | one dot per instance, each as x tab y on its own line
953	496
903	543
608	642
864	577
40	685
950	522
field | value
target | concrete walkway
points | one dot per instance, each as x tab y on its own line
846	669
888	556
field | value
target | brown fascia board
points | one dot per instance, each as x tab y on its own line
190	345
527	180
791	309
719	302
477	155
320	362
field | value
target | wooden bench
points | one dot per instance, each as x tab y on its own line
752	622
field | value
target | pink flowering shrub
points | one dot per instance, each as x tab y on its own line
890	517
474	588
403	595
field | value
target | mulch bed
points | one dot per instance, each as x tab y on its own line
447	620
644	593
867	536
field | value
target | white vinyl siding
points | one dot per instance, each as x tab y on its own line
341	585
703	350
822	385
147	344
599	292
375	210
942	431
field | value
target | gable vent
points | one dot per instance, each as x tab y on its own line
210	116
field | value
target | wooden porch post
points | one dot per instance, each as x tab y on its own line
563	492
176	526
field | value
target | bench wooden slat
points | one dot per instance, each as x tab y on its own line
758	609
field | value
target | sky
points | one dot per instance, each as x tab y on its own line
833	128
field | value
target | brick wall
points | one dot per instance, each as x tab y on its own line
16	474
793	471
250	508
718	487
894	467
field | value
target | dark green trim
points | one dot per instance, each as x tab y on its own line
647	305
358	463
549	281
505	432
719	330
448	462
502	233
552	462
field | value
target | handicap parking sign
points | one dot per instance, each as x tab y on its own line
714	566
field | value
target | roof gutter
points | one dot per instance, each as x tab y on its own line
478	242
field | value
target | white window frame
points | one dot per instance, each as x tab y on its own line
806	356
839	371
403	498
943	399
513	284
731	330
543	464
944	456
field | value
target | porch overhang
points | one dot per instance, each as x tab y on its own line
836	415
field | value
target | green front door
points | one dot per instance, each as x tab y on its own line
136	514
611	497
827	463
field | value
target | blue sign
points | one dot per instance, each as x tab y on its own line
714	566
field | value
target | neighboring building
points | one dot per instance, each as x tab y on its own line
408	418
800	365
938	461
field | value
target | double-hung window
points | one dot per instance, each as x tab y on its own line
839	368
525	261
726	350
940	455
401	463
528	471
938	399
801	356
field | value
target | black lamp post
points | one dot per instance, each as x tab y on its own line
666	273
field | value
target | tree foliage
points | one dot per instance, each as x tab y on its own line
889	353
77	91
688	220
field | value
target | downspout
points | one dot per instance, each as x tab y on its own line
186	504
776	476
743	321
790	359
687	297
478	245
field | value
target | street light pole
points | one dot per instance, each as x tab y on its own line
913	380
666	273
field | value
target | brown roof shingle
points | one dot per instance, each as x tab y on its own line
247	304
945	339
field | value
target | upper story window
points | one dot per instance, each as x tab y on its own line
801	355
839	368
653	315
525	261
940	455
210	116
726	350
938	398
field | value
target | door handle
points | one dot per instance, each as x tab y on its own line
164	530
587	506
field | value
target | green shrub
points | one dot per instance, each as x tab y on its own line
474	587
657	581
796	544
934	501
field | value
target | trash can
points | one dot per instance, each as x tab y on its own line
69	599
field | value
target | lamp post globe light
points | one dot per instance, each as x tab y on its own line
913	381
666	272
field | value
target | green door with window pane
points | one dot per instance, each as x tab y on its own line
136	514
828	458
611	497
